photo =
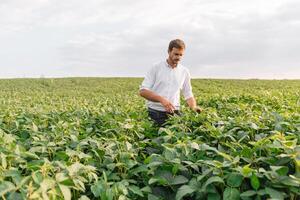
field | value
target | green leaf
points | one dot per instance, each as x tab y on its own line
146	189
65	190
213	196
214	179
23	181
30	155
34	127
6	187
61	177
274	194
194	145
154	164
35	164
37	177
15	196
152	197
98	189
253	126
254	182
164	177
178	180
169	154
210	189
246	170
246	152
3	160
15	175
226	156
231	194
175	168
281	170
234	180
136	171
183	191
135	190
291	181
194	184
261	192
109	195
248	193
161	181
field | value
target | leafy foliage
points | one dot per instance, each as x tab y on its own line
90	138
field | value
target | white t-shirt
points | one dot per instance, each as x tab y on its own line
167	82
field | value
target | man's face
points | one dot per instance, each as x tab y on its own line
175	55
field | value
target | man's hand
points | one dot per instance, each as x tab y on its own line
193	105
168	105
197	109
152	96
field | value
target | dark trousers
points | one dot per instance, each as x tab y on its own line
160	117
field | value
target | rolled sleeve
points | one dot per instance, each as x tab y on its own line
187	87
148	80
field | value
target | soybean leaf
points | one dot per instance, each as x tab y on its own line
274	194
231	194
254	182
183	191
234	180
65	190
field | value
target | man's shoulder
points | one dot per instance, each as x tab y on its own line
157	65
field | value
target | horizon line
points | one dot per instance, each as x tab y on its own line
203	78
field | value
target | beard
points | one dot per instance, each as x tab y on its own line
176	61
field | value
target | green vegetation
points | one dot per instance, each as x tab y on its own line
90	138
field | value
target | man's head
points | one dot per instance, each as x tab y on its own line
175	51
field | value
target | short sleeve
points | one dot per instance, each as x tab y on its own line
149	79
187	87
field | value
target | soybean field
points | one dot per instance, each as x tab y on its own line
91	138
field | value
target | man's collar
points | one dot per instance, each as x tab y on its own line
169	66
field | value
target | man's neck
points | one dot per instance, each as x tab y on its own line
173	65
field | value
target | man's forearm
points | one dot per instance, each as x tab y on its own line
150	95
191	102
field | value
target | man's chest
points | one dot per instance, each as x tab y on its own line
169	78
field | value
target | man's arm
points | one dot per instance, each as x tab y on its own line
152	96
188	94
193	105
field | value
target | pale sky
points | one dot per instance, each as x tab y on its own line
224	38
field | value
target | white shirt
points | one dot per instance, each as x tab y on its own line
167	82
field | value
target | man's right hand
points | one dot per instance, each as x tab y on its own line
168	105
152	96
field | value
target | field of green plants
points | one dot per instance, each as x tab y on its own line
90	138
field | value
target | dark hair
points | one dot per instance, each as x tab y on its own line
177	43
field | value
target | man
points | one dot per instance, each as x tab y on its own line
163	83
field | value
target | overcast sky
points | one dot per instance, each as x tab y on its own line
224	38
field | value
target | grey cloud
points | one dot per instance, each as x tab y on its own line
124	37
